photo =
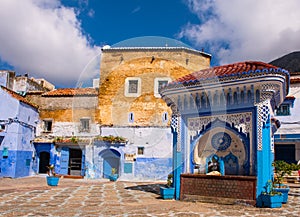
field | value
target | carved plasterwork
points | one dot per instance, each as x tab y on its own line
175	125
239	120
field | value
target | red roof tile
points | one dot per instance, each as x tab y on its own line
72	92
19	97
290	97
248	67
294	80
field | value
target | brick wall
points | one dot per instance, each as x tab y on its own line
236	187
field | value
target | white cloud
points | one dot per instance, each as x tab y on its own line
238	30
45	39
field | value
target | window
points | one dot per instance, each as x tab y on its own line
5	152
132	87
165	117
140	150
130	117
127	167
84	124
2	127
284	109
47	126
159	83
1	139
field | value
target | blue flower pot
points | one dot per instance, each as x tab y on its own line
167	193
271	201
285	193
113	177
52	180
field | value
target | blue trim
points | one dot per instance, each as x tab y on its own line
288	138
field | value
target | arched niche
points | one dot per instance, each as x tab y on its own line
227	144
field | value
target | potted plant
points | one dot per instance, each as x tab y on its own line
113	176
168	191
52	178
282	169
270	198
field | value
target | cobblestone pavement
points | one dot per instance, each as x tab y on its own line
32	197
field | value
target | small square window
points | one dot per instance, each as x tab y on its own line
47	126
132	87
127	167
84	124
283	109
2	127
159	83
141	150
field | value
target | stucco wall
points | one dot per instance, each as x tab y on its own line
290	127
20	121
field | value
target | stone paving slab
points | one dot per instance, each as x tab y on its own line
32	197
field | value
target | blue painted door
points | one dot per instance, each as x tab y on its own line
106	169
64	161
111	159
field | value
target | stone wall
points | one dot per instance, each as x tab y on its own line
191	60
148	109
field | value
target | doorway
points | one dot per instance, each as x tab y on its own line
75	161
44	161
285	153
111	159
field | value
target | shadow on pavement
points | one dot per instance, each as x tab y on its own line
152	188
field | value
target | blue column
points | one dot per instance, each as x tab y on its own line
176	165
265	158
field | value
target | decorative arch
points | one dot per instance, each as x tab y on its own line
110	159
231	164
227	143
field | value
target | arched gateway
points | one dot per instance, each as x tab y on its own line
222	124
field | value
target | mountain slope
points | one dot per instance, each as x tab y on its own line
290	62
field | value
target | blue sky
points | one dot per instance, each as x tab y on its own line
61	40
111	21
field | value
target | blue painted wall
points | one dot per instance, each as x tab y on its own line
17	164
153	168
20	122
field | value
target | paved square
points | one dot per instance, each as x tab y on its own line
73	197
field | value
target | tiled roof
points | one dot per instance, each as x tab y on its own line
72	92
290	97
235	69
294	80
19	97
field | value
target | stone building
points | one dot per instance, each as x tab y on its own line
130	106
22	84
67	125
127	105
